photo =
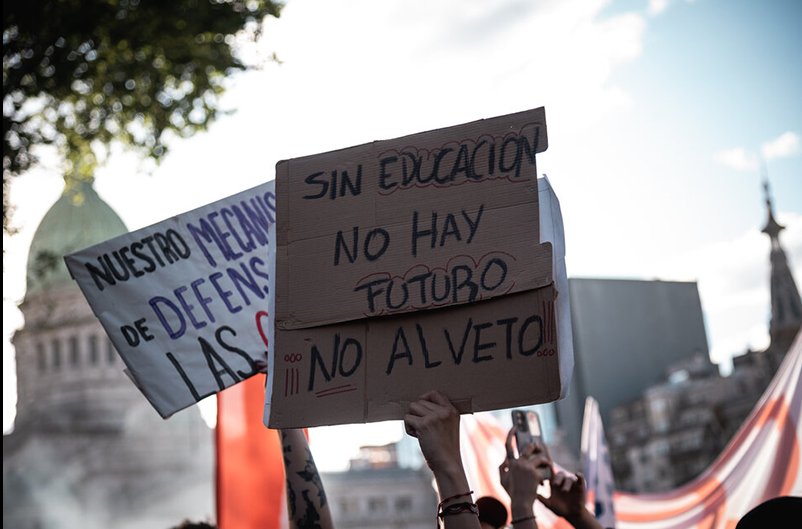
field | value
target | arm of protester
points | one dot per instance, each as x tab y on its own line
568	496
306	499
434	421
520	477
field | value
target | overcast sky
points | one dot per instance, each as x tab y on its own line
658	113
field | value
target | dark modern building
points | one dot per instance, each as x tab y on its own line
627	334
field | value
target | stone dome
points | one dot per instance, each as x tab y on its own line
87	448
78	219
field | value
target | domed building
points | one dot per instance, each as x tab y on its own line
87	449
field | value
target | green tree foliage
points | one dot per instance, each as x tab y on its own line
81	74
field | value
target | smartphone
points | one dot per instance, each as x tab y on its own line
528	432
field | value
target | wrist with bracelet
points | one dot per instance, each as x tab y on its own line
444	510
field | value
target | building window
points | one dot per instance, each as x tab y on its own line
41	357
349	505
75	352
111	353
377	505
661	448
94	354
56	354
403	504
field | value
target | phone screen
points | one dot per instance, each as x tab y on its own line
527	431
534	424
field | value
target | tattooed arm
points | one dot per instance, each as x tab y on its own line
306	499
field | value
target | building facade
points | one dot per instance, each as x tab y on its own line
677	428
87	449
376	492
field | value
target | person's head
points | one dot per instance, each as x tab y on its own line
776	512
186	524
492	513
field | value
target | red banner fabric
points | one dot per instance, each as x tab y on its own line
250	470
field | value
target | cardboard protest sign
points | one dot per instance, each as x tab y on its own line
411	264
188	302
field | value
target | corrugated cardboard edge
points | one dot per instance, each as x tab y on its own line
552	230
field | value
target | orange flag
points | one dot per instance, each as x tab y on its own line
250	470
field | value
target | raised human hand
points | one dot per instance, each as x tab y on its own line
568	497
520	476
434	421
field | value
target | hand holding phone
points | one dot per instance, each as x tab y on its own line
529	433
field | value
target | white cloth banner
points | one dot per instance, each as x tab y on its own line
596	465
188	302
